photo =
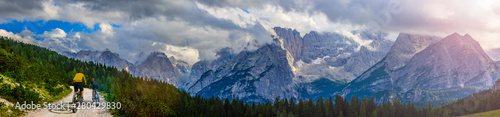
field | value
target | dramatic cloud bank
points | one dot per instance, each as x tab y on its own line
192	30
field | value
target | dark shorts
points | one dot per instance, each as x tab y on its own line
78	86
95	86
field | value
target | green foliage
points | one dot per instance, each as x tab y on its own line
482	101
27	67
19	94
6	110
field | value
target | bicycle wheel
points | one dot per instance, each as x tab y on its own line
74	99
74	109
96	96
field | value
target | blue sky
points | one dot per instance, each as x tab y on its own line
41	26
245	10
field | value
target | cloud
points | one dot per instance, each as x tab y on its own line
106	29
271	16
24	36
57	39
198	28
178	26
55	33
18	9
478	18
141	34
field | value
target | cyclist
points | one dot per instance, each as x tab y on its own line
77	82
94	86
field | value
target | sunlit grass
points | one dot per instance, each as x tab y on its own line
495	113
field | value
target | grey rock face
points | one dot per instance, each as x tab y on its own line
200	67
293	43
254	76
203	66
328	44
362	60
314	45
182	66
206	79
106	58
158	66
455	62
88	55
68	54
333	55
113	59
405	47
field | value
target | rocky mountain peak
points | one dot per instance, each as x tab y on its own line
107	52
405	46
159	66
257	76
457	38
291	41
225	52
87	55
455	62
157	55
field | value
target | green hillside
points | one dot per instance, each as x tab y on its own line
25	78
478	102
32	73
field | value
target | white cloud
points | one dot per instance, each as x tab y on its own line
59	40
50	11
356	39
271	16
176	38
187	54
19	37
106	29
77	35
55	33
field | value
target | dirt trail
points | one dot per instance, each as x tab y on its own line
87	96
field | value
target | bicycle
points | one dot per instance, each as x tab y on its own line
96	96
77	99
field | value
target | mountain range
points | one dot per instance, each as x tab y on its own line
157	65
418	68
